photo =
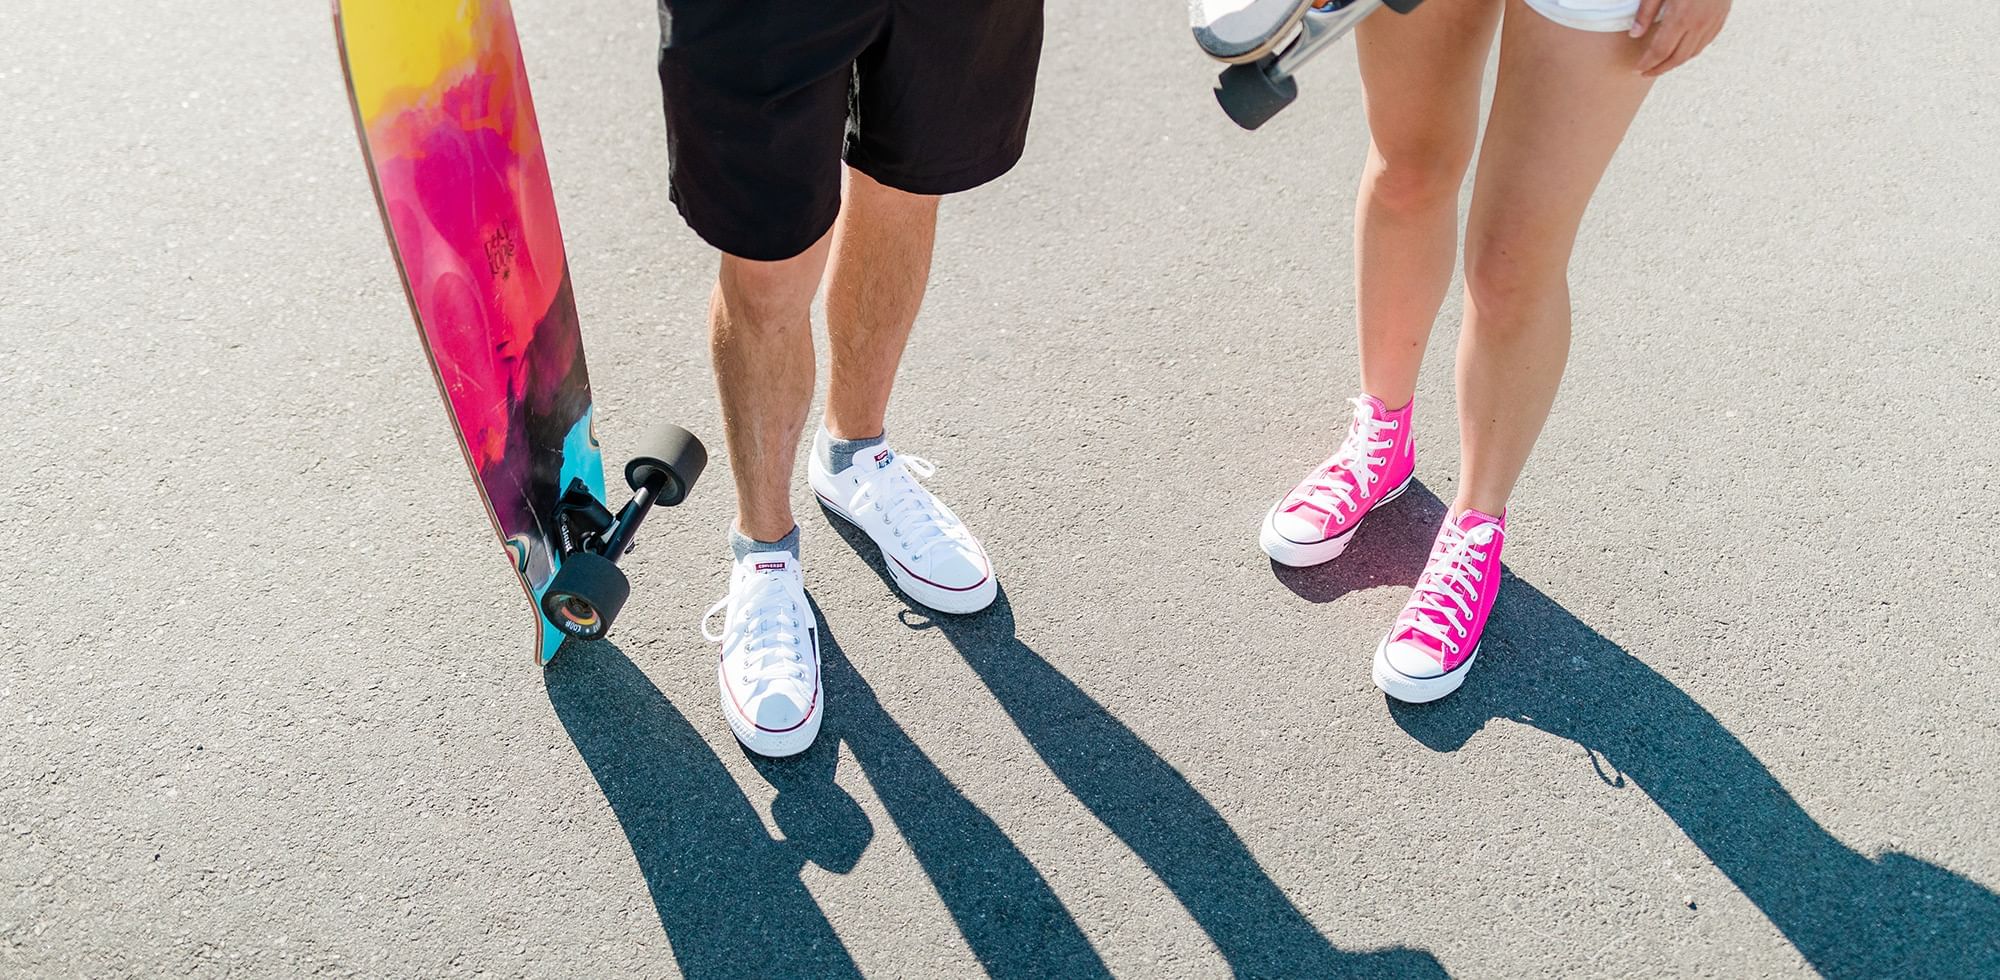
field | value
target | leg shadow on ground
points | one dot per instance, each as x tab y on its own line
1008	914
728	894
1150	806
1849	914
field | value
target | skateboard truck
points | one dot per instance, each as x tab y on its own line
589	589
1253	92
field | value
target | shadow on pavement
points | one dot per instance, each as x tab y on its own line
1849	914
1005	909
730	896
1149	805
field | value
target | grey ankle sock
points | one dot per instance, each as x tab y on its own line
741	544
838	454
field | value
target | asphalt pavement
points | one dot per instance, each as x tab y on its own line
266	707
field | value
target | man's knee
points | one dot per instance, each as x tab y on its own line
769	297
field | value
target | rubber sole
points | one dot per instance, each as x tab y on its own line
1294	554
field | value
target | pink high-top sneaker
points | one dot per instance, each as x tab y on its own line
1427	654
1314	522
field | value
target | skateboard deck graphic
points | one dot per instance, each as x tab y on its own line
447	127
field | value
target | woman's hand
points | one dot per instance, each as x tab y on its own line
1679	34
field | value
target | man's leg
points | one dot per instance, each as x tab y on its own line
760	334
941	102
757	110
881	263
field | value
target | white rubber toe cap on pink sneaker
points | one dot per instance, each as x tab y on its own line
1409	673
1298	542
1296	529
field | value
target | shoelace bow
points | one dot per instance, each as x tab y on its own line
1449	587
767	637
909	510
1354	465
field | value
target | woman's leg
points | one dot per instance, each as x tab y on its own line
1561	106
1421	74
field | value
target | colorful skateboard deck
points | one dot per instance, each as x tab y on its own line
447	127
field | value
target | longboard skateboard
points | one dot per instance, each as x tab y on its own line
448	132
1265	42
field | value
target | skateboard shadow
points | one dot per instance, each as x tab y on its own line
1149	805
1849	914
730	895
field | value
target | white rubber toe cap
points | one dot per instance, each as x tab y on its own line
1408	673
1412	661
780	711
955	581
1298	530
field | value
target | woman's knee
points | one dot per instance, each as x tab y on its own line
1421	176
1514	276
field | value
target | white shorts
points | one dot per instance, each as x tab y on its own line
1589	15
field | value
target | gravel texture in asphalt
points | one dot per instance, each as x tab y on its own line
265	698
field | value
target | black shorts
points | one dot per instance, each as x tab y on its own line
765	97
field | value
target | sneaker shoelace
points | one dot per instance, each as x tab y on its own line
1448	590
909	510
767	639
1340	481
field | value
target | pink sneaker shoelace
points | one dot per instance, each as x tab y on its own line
1337	487
1446	608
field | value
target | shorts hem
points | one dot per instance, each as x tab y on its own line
1595	25
936	183
755	247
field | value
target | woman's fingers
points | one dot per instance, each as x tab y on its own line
1649	11
1666	38
1688	46
1685	31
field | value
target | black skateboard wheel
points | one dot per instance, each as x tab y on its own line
671	455
586	595
1249	95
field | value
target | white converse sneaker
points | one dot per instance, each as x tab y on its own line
769	670
930	554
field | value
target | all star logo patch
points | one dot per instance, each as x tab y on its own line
770	566
882	458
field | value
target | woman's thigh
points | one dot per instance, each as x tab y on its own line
1421	74
1562	103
